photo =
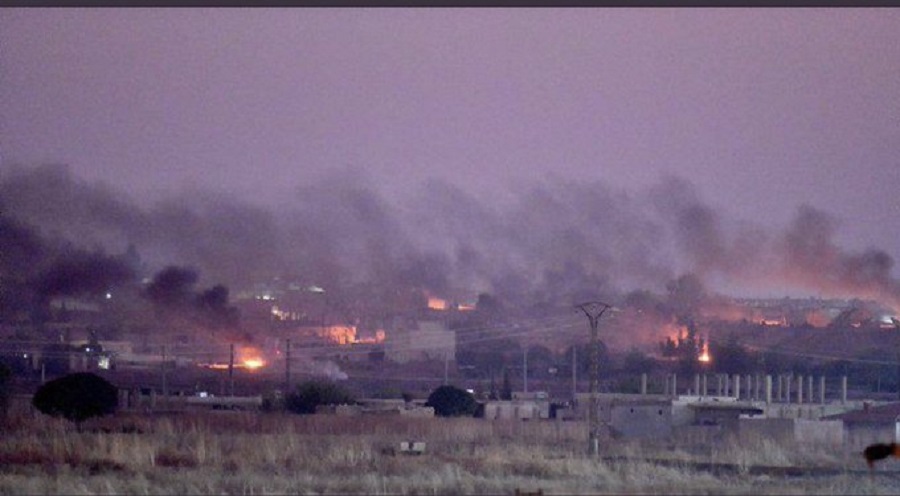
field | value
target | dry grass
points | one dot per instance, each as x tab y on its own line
249	453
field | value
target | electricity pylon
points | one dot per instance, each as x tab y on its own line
594	310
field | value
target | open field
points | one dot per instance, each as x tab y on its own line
266	453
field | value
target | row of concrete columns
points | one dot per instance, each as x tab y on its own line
786	388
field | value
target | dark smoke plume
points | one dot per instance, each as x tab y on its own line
555	242
77	273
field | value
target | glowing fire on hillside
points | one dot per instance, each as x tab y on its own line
344	334
246	357
704	354
435	303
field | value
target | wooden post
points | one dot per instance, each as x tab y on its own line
231	371
287	367
843	389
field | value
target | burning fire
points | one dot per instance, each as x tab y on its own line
704	354
246	357
437	303
250	357
347	335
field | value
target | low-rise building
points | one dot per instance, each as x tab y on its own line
869	425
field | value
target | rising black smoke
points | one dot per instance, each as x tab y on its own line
553	242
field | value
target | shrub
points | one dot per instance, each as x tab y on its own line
450	401
311	394
77	397
5	389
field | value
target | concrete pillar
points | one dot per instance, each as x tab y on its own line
697	384
718	384
705	391
674	384
787	388
644	383
799	389
779	391
843	389
809	389
768	389
822	389
737	386
749	383
727	382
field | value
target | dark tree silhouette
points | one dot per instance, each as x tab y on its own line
450	401
311	394
77	397
5	393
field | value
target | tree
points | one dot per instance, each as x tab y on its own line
637	362
686	348
506	389
5	389
311	394
731	357
77	397
450	401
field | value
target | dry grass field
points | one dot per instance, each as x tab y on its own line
265	453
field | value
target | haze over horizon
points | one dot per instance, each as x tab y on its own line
544	151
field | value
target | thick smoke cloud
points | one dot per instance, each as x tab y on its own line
77	273
556	241
812	258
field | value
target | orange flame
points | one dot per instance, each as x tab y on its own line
437	303
344	335
704	355
250	357
247	357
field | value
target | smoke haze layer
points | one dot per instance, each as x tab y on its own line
554	241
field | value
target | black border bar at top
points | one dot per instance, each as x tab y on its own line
452	3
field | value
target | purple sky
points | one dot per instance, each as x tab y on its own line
761	109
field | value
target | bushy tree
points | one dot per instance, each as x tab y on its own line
686	348
637	362
5	389
311	394
77	397
450	401
733	358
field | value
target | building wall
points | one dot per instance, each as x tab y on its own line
858	435
428	341
820	432
637	420
803	431
516	409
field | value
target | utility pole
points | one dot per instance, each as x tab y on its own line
446	370
231	372
593	310
165	386
574	376
897	327
525	369
287	366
